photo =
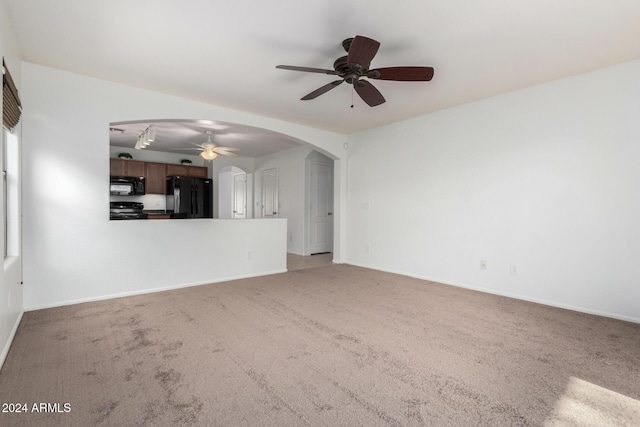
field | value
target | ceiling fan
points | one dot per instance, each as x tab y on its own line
355	66
209	151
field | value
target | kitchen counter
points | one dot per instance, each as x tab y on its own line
157	214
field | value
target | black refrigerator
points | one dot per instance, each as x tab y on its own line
189	197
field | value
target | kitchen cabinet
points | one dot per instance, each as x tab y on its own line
185	170
177	170
156	178
116	167
197	171
123	167
159	216
135	168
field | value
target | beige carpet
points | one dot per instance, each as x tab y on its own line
327	346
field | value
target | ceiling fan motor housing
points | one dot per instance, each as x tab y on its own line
341	65
349	73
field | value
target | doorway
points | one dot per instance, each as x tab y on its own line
232	193
319	206
270	193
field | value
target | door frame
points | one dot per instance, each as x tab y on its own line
231	171
263	193
318	158
234	195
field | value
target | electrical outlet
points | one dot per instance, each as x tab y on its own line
250	255
367	248
483	264
514	269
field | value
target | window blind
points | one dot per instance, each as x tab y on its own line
11	107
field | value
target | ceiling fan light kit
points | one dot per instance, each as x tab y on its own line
210	151
209	155
354	67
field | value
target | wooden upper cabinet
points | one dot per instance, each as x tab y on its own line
156	178
177	170
197	171
135	168
186	170
122	167
117	167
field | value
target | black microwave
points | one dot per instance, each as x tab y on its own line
126	186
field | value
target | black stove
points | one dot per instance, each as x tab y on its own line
126	210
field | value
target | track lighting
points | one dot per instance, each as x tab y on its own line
145	138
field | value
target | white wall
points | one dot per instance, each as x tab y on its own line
72	251
11	273
545	178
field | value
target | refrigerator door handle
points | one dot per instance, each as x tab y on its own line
191	208
195	199
176	198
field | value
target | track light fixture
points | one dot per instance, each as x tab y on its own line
145	138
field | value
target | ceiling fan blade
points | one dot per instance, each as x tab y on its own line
362	51
185	148
403	74
225	149
369	93
324	89
227	153
307	69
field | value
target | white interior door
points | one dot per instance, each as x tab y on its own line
270	193
321	209
240	196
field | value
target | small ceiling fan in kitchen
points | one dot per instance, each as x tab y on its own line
354	68
209	151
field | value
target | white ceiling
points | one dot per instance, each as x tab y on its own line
179	137
225	52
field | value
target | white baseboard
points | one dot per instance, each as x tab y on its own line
149	291
7	345
508	295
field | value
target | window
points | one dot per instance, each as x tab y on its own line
11	112
4	189
11	107
10	194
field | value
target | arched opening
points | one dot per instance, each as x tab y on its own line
238	182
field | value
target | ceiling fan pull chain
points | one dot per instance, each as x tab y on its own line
353	89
